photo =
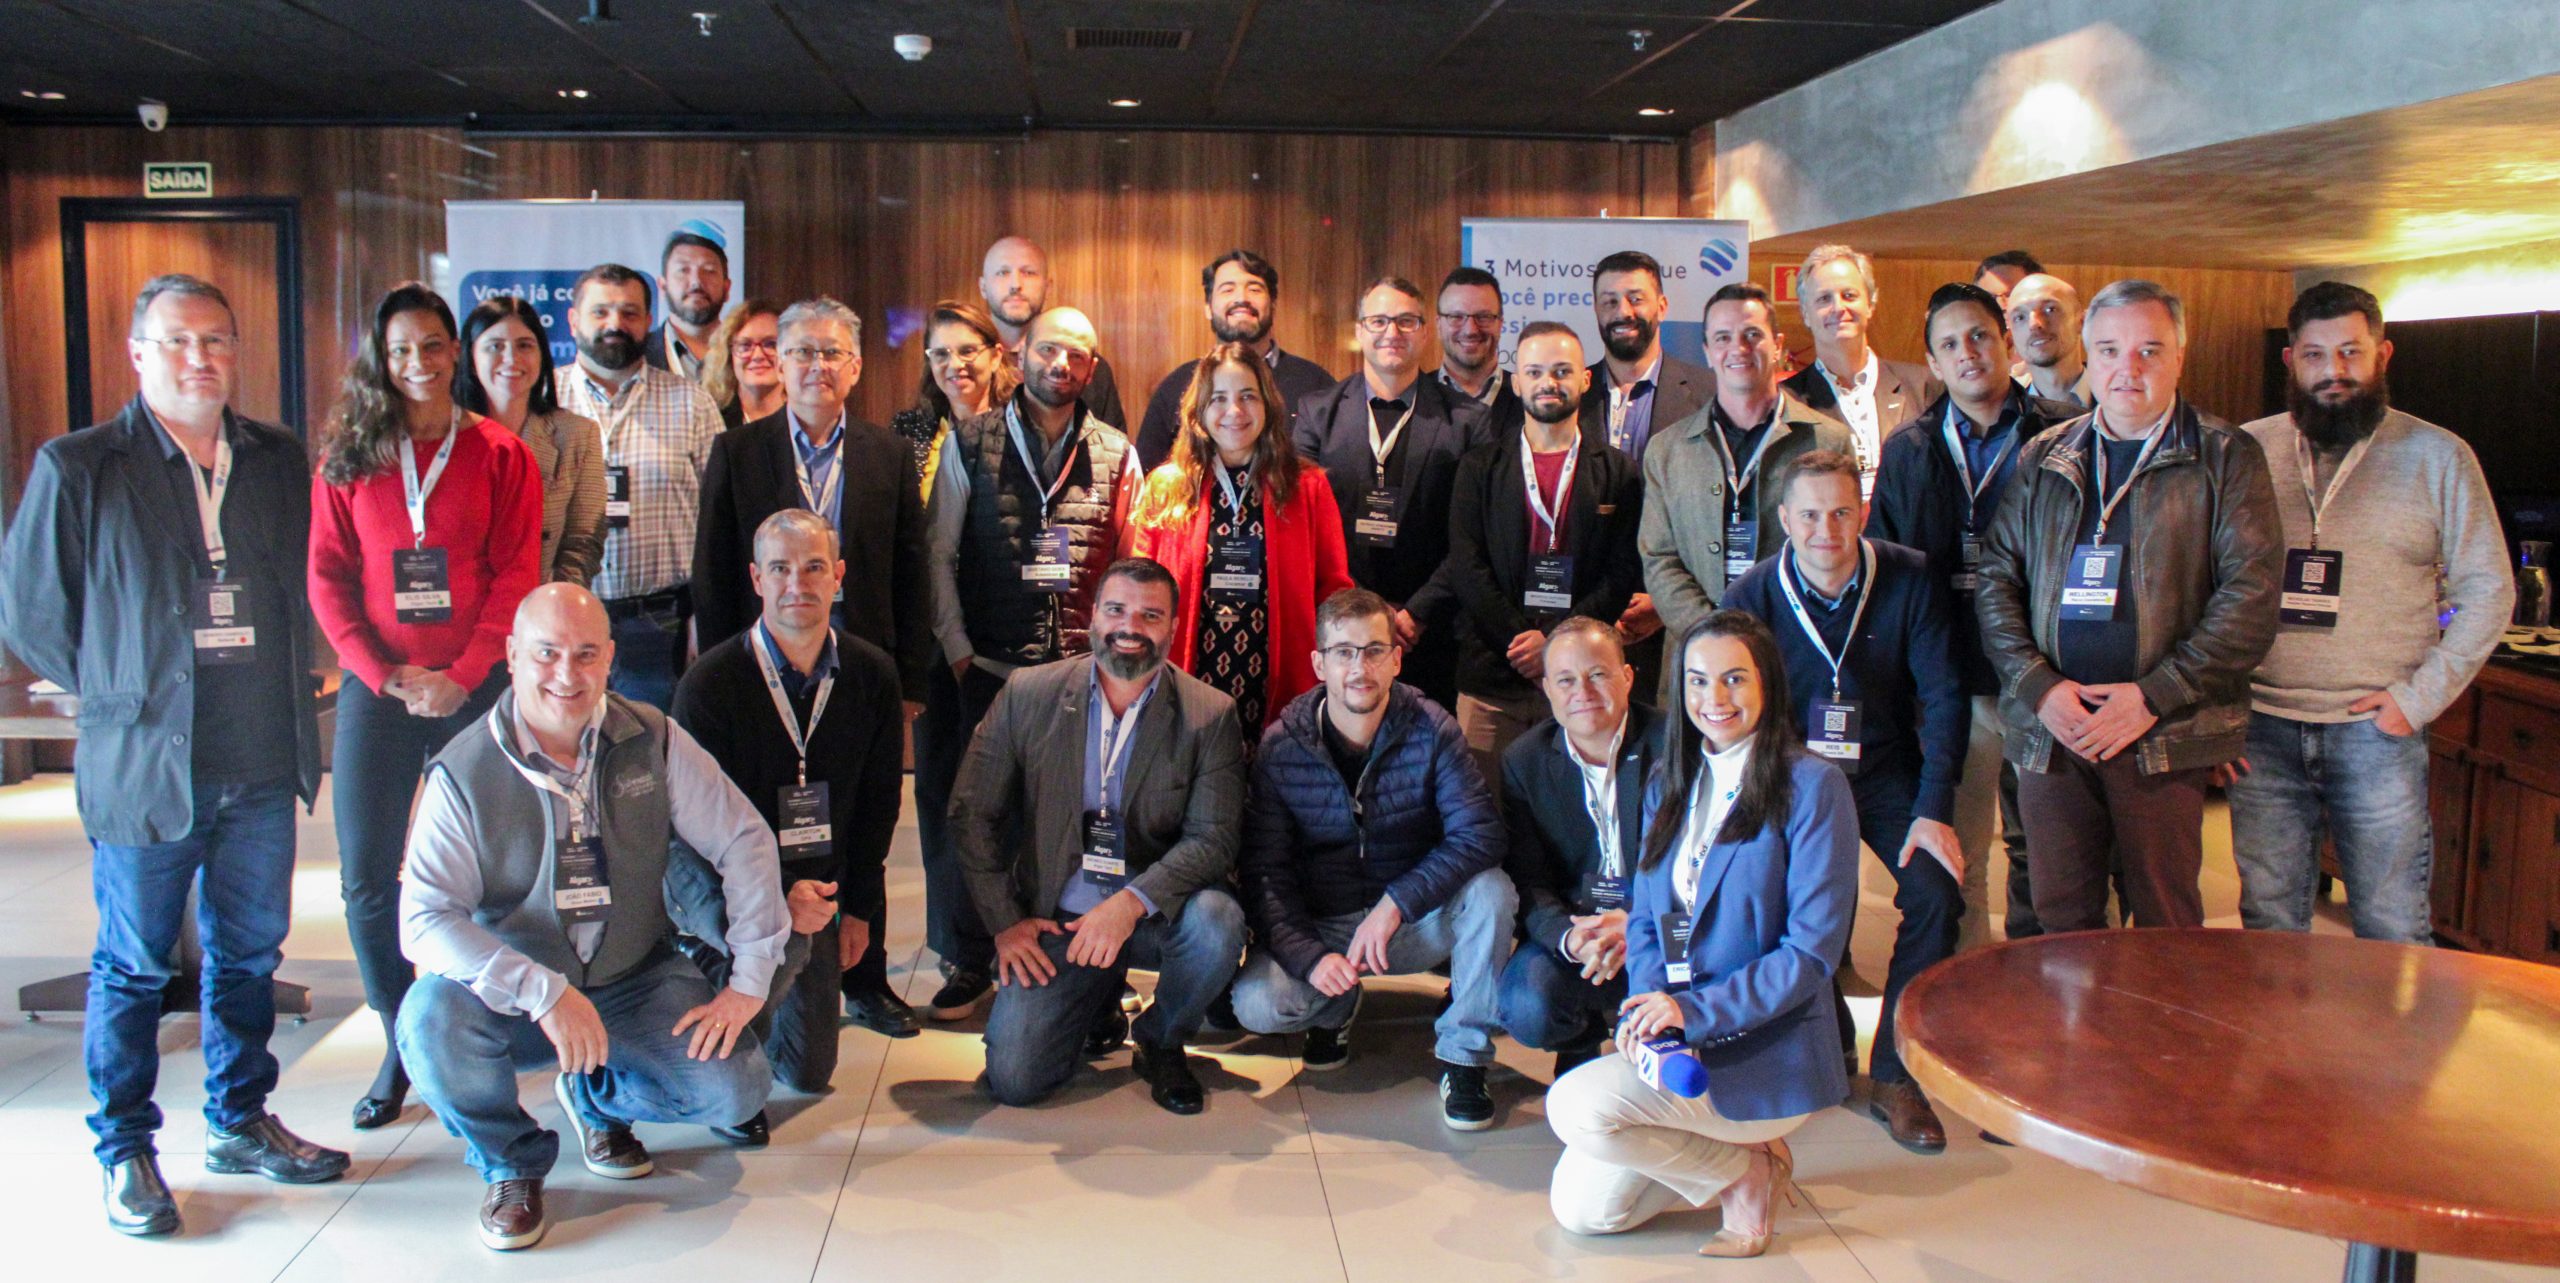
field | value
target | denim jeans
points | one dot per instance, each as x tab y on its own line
1472	933
241	847
1034	1032
2368	789
648	656
382	752
464	1059
802	1011
1546	1004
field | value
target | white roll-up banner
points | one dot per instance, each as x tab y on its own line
1545	265
536	249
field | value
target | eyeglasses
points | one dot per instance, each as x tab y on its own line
1404	323
216	346
820	355
964	353
1369	656
1480	320
749	347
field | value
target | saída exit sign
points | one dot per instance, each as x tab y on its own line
177	179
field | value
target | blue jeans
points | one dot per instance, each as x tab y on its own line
648	656
2368	789
382	752
241	847
1472	933
1034	1033
464	1059
1546	1004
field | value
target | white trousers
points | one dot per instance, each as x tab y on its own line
1632	1151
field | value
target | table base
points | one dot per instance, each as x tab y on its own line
2369	1264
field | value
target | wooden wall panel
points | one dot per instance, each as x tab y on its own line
122	257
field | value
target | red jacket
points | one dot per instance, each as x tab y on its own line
486	513
1303	563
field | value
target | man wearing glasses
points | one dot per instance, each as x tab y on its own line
1389	441
861	478
1471	346
1373	847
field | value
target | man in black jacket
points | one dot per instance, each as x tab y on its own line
1573	802
1014	281
1241	291
1471	345
1637	390
815	455
156	570
693	277
1389	441
805	721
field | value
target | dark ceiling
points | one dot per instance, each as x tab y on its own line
1421	66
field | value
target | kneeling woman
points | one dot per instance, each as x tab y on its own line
1751	852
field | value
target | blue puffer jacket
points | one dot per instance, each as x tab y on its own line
1424	823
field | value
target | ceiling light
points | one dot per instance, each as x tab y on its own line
1124	102
1654	111
573	93
43	95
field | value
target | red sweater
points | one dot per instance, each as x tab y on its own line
486	513
1303	562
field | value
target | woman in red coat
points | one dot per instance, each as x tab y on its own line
1251	534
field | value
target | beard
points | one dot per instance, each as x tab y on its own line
1565	407
2332	427
611	349
696	315
1228	330
1630	346
1056	398
1124	665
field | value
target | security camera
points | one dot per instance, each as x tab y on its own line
155	114
913	48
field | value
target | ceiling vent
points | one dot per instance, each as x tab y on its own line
1128	37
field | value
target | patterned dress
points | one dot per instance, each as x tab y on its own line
1233	644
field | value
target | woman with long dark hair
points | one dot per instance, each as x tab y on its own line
1251	535
506	375
1740	910
742	365
426	533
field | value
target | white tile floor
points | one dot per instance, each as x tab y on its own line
904	1173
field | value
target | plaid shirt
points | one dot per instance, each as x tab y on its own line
661	428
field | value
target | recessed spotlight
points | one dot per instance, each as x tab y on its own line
1654	111
573	93
1124	102
42	95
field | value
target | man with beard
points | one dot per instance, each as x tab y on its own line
1471	345
2379	509
1847	381
693	276
1013	278
1636	389
1029	506
1542	525
2044	327
1096	817
658	429
1242	295
1389	441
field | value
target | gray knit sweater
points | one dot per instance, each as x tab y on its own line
2415	507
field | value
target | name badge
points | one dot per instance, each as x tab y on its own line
1235	569
2089	582
578	889
1831	730
1106	851
223	632
617	497
1968	574
1550	583
1052	567
421	589
1376	525
1675	946
806	825
1741	547
1606	893
2312	584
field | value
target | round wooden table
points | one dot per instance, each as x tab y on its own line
2406	1100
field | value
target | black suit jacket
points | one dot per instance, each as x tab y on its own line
1332	428
1488	563
1680	389
888	594
1554	852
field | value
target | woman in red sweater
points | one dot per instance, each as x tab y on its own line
426	533
1251	535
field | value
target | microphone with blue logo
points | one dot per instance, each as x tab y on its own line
1666	1063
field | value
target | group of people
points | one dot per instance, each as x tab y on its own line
1583	681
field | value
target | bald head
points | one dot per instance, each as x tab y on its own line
558	657
563	609
2043	313
1014	280
1057	356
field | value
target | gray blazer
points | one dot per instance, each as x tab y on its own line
1682	536
1903	390
569	451
1017	810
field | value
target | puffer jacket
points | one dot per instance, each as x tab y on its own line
2206	559
1422	825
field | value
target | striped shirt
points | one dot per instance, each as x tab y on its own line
661	428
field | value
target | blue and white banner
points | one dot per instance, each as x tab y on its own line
1544	265
536	249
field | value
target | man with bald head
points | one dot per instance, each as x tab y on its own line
2044	330
1014	280
535	906
1032	498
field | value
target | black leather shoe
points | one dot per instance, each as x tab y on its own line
883	1013
374	1111
1107	1034
1170	1082
755	1133
138	1201
266	1148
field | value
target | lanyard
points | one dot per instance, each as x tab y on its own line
1741	480
768	661
1601	802
821	502
1381	447
1696	860
1117	734
1048	493
1866	592
2098	447
1973	487
582	780
1564	489
1227	485
416	491
209	500
2320	504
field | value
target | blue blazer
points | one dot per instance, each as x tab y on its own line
1773	918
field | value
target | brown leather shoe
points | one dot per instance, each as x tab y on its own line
610	1150
1907	1117
511	1215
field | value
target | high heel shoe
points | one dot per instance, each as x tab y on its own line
1734	1241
